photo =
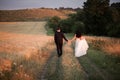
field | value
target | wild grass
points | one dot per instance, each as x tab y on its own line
101	65
23	47
17	69
103	58
109	45
22	68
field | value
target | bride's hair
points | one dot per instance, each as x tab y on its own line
78	34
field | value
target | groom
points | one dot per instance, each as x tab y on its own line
58	38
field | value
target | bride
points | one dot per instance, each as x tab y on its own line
81	45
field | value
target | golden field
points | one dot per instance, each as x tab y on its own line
28	53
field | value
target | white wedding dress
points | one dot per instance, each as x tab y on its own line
81	47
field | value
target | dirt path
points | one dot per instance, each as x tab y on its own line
66	67
69	67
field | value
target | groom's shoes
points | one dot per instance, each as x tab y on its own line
59	55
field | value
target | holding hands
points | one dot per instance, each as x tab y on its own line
69	42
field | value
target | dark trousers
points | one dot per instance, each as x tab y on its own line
59	49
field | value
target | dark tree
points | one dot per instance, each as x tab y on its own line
96	16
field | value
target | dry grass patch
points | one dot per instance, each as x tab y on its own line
27	55
17	66
109	45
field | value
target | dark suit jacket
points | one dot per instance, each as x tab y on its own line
58	37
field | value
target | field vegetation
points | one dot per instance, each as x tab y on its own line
27	53
24	50
38	14
101	63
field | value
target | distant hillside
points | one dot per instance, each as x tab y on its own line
33	14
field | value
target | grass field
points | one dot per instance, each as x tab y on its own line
28	53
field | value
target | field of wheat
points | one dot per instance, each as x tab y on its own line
27	53
23	46
107	44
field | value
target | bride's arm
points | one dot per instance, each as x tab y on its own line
73	38
69	42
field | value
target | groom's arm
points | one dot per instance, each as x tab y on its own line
64	37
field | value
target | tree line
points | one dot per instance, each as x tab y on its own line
97	17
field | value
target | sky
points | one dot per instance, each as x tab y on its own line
24	4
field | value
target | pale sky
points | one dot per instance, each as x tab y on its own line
23	4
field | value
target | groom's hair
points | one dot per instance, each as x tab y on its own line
58	28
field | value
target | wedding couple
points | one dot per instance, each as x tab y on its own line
81	45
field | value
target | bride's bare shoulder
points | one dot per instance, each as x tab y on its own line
82	37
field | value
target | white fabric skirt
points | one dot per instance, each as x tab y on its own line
81	47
